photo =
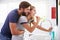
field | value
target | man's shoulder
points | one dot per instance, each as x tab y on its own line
14	10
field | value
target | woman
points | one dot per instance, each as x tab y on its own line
24	21
33	12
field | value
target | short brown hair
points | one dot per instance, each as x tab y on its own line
24	4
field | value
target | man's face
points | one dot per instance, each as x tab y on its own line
26	10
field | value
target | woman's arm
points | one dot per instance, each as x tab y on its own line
23	21
29	28
47	30
41	28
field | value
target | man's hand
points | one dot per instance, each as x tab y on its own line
22	32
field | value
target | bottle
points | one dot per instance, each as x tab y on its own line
52	35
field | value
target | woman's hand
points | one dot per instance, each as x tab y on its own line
37	19
49	29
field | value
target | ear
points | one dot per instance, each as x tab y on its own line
22	9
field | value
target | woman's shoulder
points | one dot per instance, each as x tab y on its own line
23	17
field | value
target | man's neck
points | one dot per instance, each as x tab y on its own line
19	12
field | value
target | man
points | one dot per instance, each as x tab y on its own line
9	27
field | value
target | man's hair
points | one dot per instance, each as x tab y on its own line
24	4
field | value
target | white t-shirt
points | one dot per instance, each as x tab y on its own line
22	20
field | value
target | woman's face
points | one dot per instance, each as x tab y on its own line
33	12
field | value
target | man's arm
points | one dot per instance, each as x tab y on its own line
14	30
47	30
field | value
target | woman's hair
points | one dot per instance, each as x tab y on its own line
31	7
32	19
